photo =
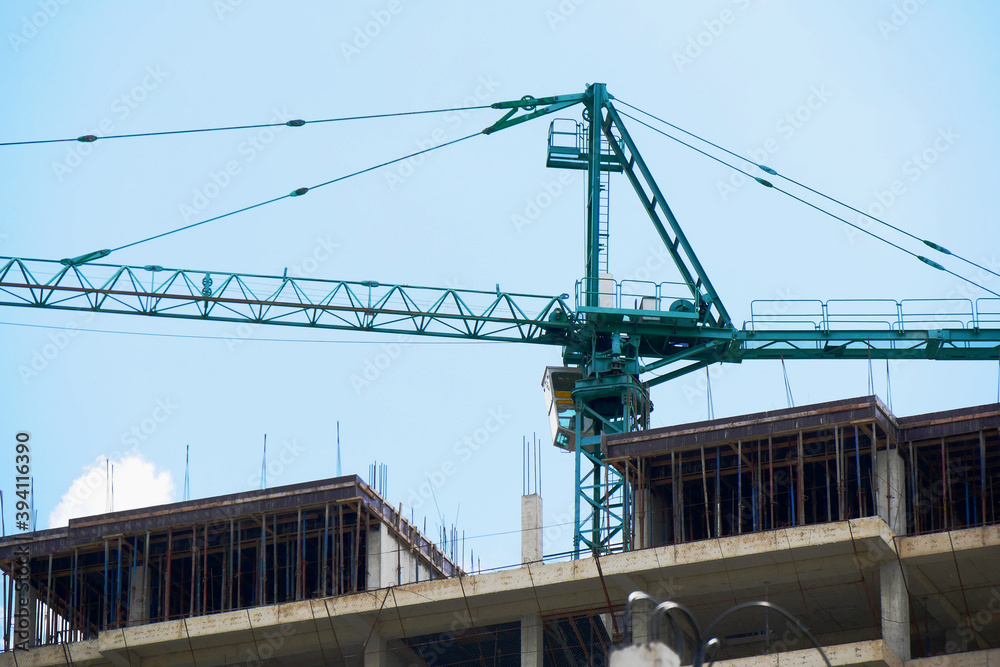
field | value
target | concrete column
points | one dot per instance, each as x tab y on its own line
895	609
891	489
531	528
375	544
376	652
532	636
138	602
658	513
532	641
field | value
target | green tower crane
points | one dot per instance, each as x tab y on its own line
617	340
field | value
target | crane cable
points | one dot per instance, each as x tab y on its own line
768	184
768	170
83	259
298	122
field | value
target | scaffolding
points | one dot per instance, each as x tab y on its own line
187	559
810	465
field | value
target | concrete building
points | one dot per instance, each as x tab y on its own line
879	533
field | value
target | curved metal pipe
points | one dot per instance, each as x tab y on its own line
634	597
667	608
766	605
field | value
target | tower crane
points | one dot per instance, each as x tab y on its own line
618	338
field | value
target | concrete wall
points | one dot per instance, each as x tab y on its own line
391	561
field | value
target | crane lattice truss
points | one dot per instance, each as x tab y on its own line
619	337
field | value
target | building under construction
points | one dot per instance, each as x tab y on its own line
879	533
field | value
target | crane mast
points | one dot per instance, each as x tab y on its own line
618	339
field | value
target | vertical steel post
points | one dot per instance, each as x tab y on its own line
239	563
118	585
946	482
874	484
322	556
739	486
857	467
339	553
274	561
170	556
770	495
837	473
704	490
578	463
204	572
357	551
48	603
718	492
8	616
678	533
147	613
299	560
826	468
801	490
262	575
194	568
982	474
915	504
104	597
596	100
228	602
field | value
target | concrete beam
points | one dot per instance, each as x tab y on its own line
873	653
989	658
507	595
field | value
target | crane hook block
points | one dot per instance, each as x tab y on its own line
298	193
766	184
83	259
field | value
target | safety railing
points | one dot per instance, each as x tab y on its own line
872	314
633	294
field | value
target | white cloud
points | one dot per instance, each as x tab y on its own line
136	482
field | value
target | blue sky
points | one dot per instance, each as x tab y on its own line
849	98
